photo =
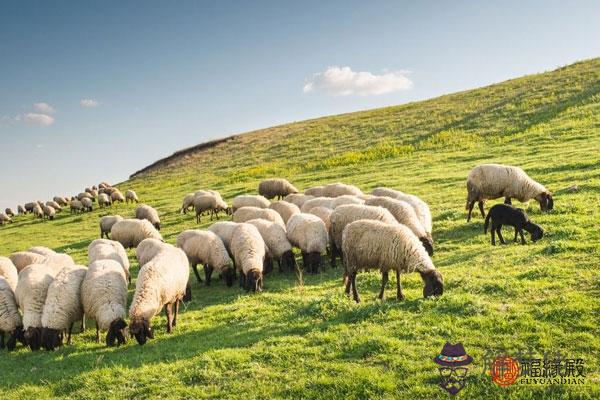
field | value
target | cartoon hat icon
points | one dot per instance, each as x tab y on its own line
453	355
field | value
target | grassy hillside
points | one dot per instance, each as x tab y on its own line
308	340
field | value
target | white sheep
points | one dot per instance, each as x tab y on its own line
492	181
188	202
247	213
247	200
148	248
23	259
339	189
20	209
346	199
76	206
9	212
87	204
104	299
45	251
54	205
62	307
404	214
104	249
130	232
144	211
107	222
4	219
315	191
343	215
317	202
297	198
224	230
278	245
324	213
60	201
249	252
84	195
163	281
308	233
30	294
131	196
9	272
38	211
285	209
104	200
372	244
276	187
207	248
117	197
211	202
49	212
421	208
11	323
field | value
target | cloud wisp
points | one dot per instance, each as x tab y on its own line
343	81
89	103
43	108
35	119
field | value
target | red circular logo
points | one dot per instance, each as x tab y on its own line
504	371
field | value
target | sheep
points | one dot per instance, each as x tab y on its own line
9	272
163	281
297	198
104	200
54	205
49	212
85	195
492	181
38	211
131	196
249	253
106	224
247	200
144	211
11	323
188	202
339	189
224	230
147	249
130	232
23	259
117	197
343	215
104	299
372	244
45	251
308	233
276	187
4	219
278	245
247	213
324	213
421	208
207	248
315	191
285	209
76	206
87	204
208	202
385	192
62	307
317	202
504	214
9	212
29	207
346	199
61	201
104	249
103	185
404	214
30	294
20	209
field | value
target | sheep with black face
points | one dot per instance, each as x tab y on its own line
504	214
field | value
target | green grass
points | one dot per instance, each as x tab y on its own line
310	341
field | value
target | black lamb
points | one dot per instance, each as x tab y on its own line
504	214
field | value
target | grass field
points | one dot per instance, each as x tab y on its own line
310	341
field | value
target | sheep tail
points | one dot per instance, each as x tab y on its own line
487	222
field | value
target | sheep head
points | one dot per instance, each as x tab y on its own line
51	338
117	332
140	328
434	283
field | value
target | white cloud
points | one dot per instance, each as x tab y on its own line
343	81
89	103
35	119
43	108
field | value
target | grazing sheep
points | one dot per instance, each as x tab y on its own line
298	199
38	211
103	185
276	187
504	214
131	196
30	294
87	204
317	202
421	208
104	299
76	206
62	307
29	207
315	191
11	323
23	259
146	212
249	252
371	244
107	222
163	281
285	209
9	272
207	248
247	213
405	214
224	230
278	245
188	202
131	232
85	195
49	212
324	213
346	199
117	197
308	233
492	181
61	201
208	202
20	210
247	200
104	249
4	219
104	200
339	189
54	205
343	215
9	212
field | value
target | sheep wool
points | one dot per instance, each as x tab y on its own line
54	205
206	248
104	299
45	251
188	202
247	213
346	199
5	219
224	230
144	211
372	244
107	222
249	252
339	189
308	233
148	249
49	212
87	204
421	208
10	319
324	213
131	232
278	245
276	187
62	307
104	249
285	209
317	202
76	206
247	200
117	196
103	200
131	196
23	259
9	272
315	191
298	199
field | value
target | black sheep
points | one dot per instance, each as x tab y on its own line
504	214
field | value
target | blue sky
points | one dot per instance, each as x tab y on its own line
94	91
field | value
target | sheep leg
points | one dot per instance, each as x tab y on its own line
399	294
97	333
304	265
493	235
1	340
169	313
522	237
499	230
82	324
516	235
384	281
354	291
348	283
195	268
480	204
471	205
507	201
69	334
175	312
208	270
198	217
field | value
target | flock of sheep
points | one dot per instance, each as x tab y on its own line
43	293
